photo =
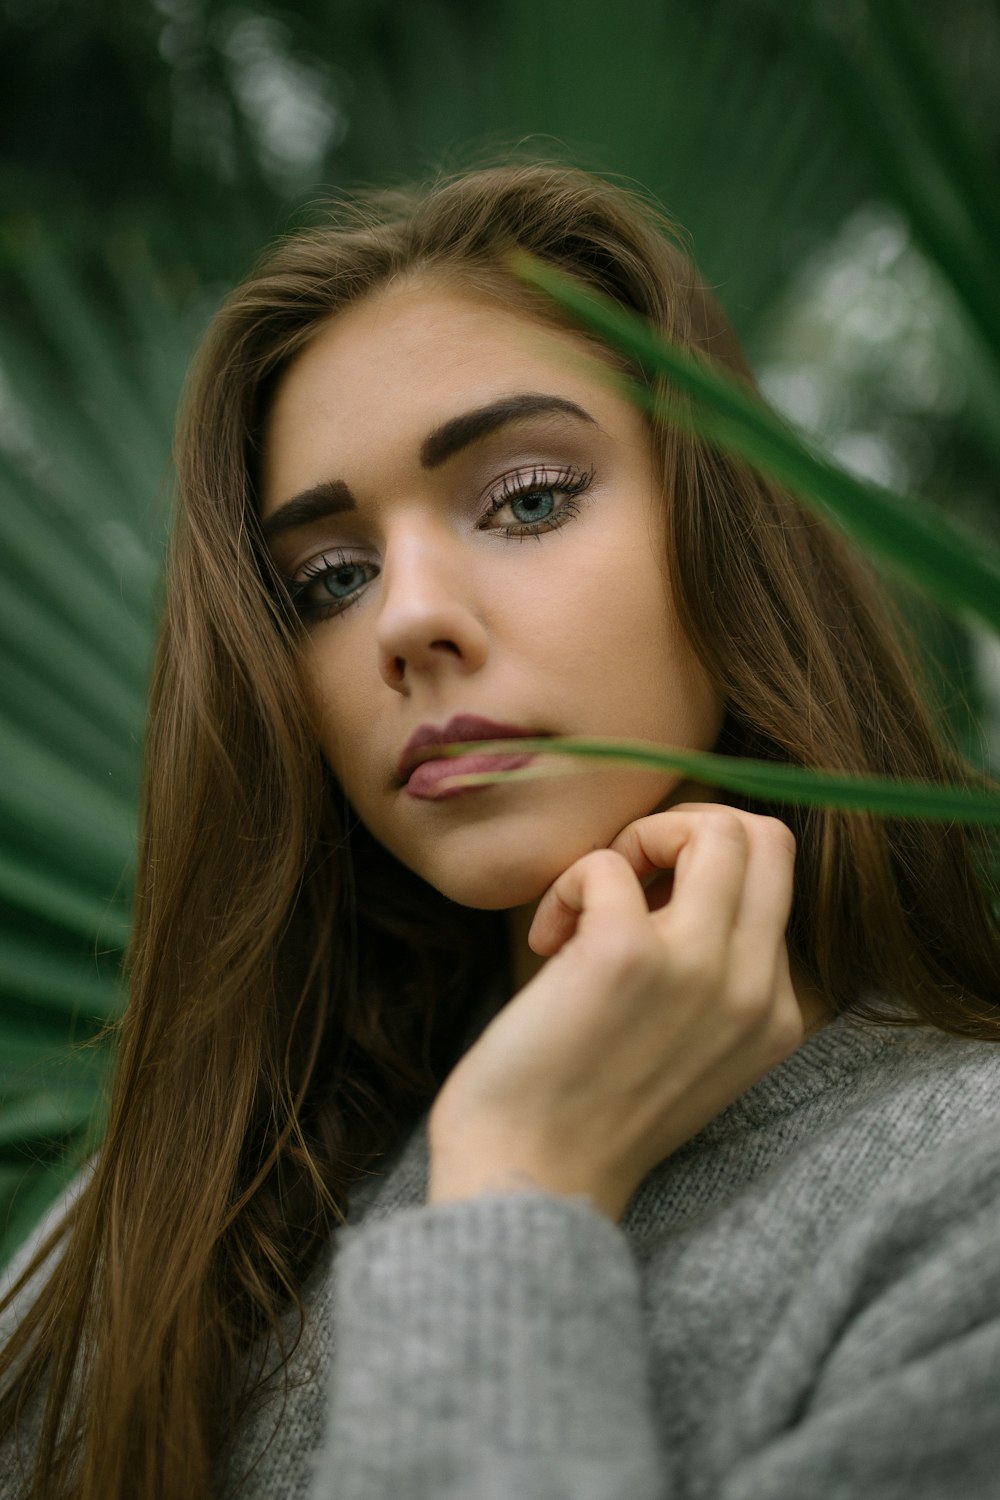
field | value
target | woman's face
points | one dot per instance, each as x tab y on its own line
472	523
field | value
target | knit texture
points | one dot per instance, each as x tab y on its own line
802	1301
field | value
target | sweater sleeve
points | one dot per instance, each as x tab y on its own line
498	1347
489	1348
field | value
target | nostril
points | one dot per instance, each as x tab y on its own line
396	665
393	669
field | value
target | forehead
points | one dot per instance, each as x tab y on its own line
380	375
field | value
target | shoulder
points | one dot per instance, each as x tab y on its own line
926	1089
920	1104
860	1120
886	1095
923	1137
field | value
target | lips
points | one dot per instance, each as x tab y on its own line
462	727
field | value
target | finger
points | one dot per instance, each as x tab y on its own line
648	848
769	884
768	889
601	886
708	848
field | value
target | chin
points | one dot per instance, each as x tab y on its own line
508	857
493	889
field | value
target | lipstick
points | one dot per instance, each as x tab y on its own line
424	775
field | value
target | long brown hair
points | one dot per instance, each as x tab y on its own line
297	997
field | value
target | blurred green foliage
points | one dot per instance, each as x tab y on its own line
834	163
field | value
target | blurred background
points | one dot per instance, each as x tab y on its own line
835	165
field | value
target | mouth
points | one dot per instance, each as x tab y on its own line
422	772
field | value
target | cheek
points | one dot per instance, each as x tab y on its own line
330	697
637	649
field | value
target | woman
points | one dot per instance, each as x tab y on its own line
526	1139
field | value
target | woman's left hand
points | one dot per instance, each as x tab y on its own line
645	1023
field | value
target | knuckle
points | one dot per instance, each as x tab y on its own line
727	823
626	958
695	966
605	859
778	832
630	838
609	858
565	891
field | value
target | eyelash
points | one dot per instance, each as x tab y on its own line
567	482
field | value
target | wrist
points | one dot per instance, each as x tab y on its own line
458	1187
477	1174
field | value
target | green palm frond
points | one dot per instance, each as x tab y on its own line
79	569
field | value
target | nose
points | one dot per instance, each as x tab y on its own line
428	623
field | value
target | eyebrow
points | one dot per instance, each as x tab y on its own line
332	496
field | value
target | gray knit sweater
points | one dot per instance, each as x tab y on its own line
803	1303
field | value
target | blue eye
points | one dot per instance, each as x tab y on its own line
538	501
538	505
329	586
341	582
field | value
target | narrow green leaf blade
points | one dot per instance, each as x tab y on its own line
768	780
960	570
